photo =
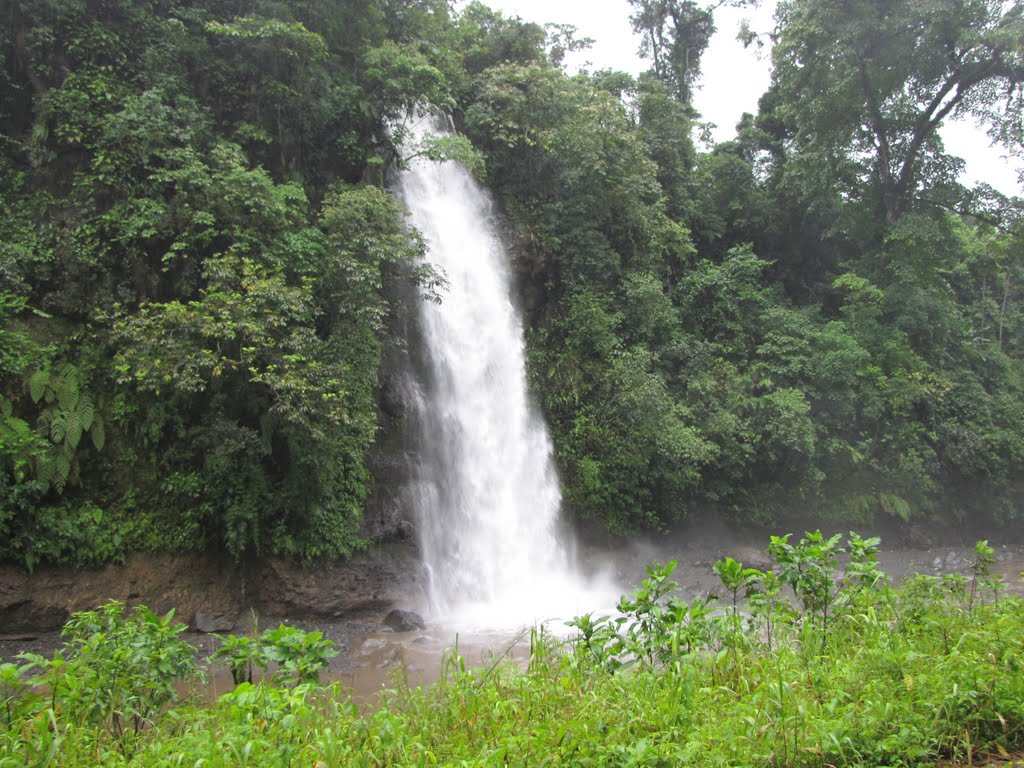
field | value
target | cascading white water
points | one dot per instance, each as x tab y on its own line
485	488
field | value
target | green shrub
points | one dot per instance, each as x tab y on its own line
297	655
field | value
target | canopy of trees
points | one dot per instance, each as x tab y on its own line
201	270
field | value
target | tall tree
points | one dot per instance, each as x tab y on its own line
675	34
864	86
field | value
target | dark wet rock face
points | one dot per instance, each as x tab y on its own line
25	618
386	514
43	600
370	581
404	621
211	593
386	517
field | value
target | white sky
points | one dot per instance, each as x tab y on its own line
733	78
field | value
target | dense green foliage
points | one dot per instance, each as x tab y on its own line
815	318
200	270
193	274
896	677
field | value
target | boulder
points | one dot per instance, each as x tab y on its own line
207	623
404	621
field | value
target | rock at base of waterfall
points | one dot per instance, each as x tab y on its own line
208	623
404	621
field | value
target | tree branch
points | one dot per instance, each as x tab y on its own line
884	158
937	111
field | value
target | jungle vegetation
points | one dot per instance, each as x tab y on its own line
202	270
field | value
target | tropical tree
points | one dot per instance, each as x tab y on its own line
674	35
862	88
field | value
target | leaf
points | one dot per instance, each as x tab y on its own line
44	469
61	470
98	434
895	506
37	384
86	412
58	428
69	394
74	430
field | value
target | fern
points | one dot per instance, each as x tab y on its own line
68	414
44	468
58	428
86	412
74	430
61	471
98	433
37	384
71	393
896	506
66	388
859	507
17	429
18	443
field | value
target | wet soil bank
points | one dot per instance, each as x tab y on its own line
212	593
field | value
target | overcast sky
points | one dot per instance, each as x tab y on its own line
733	78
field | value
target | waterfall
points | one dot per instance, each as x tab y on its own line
485	489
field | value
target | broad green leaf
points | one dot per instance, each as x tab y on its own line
37	384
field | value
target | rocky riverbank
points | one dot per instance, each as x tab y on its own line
209	590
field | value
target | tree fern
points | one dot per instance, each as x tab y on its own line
61	470
66	387
18	443
44	468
